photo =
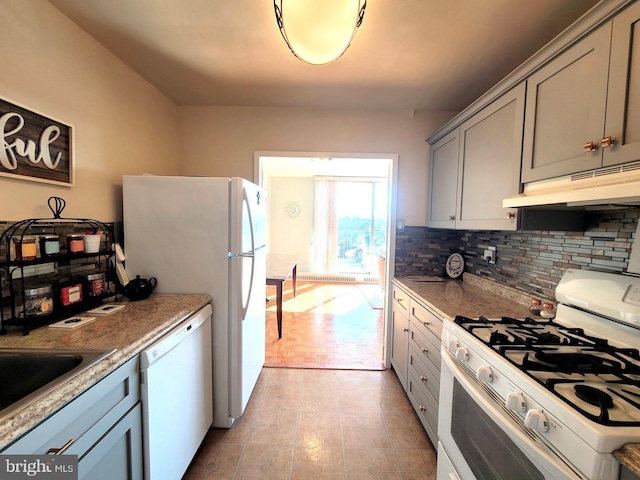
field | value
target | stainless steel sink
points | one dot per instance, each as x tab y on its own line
28	374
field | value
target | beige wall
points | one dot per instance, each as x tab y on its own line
287	234
123	125
222	140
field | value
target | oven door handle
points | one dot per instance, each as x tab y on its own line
536	450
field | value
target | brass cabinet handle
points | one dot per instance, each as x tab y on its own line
511	215
590	147
61	450
608	142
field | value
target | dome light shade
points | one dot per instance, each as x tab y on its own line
319	31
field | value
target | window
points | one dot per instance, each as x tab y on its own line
350	228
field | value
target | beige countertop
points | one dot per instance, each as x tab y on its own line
629	456
471	297
128	331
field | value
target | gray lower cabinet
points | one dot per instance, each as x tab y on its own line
583	107
400	329
626	474
103	425
422	382
425	330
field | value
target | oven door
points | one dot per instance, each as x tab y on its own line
480	438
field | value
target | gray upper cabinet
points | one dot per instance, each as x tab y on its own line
581	99
623	95
566	103
444	181
489	167
477	165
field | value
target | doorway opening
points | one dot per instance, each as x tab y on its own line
335	212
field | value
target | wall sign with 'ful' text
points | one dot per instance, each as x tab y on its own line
35	147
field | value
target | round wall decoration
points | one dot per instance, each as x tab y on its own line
454	266
292	209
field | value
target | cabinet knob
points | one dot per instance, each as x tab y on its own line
405	330
452	217
423	379
422	409
425	351
590	147
511	215
608	142
426	324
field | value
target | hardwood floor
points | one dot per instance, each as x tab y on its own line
327	325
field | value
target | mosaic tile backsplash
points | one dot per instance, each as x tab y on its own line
533	261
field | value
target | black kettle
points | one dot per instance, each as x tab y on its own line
139	288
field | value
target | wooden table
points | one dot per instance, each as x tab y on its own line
279	267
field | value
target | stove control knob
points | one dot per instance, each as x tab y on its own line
516	402
453	345
485	374
462	354
536	420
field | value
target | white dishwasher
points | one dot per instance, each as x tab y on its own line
177	396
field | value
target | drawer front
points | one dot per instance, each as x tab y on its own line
87	418
428	373
426	322
424	405
430	351
401	300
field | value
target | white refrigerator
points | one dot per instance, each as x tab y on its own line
207	235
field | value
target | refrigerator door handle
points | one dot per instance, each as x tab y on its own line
241	255
250	254
247	254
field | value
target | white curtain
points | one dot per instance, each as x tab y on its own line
325	227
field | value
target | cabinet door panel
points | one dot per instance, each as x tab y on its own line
489	170
400	345
566	102
444	180
623	97
118	454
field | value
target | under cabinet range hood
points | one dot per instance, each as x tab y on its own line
618	185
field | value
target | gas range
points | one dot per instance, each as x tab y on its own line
599	380
573	383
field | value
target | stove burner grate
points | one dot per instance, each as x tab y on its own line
594	396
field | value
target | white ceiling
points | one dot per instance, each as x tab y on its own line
409	54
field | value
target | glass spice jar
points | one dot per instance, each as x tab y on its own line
75	243
536	306
35	302
25	247
547	311
95	284
49	245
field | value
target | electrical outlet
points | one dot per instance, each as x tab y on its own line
489	255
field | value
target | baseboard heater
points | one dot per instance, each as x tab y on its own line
337	277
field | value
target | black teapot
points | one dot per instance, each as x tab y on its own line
139	288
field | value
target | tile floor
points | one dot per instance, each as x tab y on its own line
324	326
320	424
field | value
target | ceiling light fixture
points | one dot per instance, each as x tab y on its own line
319	31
